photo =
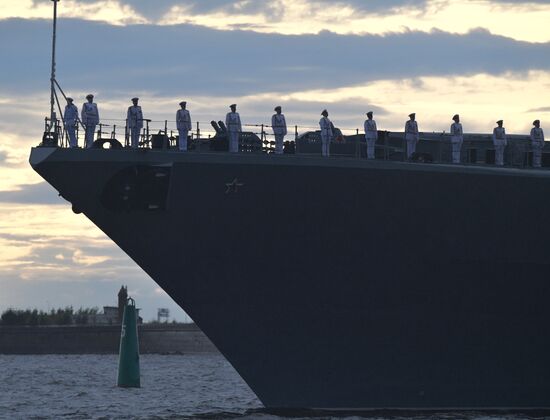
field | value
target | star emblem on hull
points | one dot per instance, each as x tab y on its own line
233	186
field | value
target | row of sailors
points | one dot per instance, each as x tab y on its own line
134	123
90	118
457	137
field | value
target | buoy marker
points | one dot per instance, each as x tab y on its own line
128	361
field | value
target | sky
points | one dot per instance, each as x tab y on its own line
484	59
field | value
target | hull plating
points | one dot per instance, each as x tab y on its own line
341	283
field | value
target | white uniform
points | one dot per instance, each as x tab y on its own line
411	135
499	140
135	123
326	135
371	135
456	141
183	123
71	117
233	124
537	144
278	124
90	118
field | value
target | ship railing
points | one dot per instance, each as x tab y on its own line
300	140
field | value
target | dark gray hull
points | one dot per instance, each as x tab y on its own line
342	283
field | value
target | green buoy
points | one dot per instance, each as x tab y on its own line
128	362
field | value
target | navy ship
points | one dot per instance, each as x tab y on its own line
337	283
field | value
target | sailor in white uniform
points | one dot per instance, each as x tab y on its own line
278	124
537	143
499	141
371	135
71	117
90	118
411	134
183	123
456	138
233	124
134	122
326	133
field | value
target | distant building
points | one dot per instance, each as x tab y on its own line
112	315
109	317
163	313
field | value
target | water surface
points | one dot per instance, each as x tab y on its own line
172	387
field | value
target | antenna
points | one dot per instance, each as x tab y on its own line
52	77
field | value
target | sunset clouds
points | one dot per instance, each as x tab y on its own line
486	60
521	20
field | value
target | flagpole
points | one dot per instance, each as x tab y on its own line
52	77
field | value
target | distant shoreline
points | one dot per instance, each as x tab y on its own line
93	339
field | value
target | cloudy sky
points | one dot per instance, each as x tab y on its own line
484	59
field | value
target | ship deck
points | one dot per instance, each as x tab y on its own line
156	156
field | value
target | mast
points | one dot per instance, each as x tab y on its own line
52	77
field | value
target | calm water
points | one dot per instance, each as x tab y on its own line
173	387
